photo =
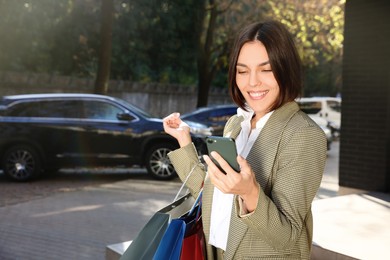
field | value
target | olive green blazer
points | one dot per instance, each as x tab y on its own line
288	159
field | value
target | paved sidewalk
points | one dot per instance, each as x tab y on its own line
354	226
79	224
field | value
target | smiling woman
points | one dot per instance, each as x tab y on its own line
255	79
281	59
262	211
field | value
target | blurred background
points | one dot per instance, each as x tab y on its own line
98	43
172	55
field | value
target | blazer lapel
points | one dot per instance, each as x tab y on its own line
233	127
264	150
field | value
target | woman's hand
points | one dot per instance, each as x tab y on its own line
243	183
175	127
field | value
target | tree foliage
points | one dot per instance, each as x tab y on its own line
49	36
104	64
221	21
155	41
168	41
317	27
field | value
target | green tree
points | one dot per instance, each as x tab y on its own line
24	26
167	41
317	26
104	64
154	41
221	21
49	36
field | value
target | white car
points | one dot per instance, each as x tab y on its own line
324	125
328	108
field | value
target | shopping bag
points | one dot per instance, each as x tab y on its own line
193	247
145	244
171	245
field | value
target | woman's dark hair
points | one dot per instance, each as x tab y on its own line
283	57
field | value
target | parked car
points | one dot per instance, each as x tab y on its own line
328	108
213	116
45	132
217	116
321	122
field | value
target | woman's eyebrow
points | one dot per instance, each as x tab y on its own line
260	64
264	63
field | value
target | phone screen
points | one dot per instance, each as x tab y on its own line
226	147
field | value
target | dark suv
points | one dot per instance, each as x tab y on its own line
45	132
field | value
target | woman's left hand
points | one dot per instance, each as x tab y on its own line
243	183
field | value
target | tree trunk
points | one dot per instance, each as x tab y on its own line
205	66
104	63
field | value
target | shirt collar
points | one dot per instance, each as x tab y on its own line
249	114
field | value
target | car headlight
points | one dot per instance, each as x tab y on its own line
199	129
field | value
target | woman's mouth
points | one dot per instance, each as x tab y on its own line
257	94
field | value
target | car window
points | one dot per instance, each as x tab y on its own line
46	108
101	110
134	108
310	107
334	105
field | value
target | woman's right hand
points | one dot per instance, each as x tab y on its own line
175	127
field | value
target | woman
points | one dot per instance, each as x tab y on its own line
263	211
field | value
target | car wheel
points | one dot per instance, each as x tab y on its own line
21	163
158	164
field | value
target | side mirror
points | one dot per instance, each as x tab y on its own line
124	116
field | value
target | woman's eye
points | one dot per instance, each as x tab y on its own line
266	70
242	72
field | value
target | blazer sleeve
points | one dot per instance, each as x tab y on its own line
281	217
186	161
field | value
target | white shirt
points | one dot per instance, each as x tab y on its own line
221	209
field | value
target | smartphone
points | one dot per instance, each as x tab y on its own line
226	147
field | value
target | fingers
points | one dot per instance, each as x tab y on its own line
215	175
172	121
222	162
244	166
224	182
178	129
231	182
173	115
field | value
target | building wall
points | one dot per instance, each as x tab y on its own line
365	124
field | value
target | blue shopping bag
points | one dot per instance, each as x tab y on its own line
144	246
171	243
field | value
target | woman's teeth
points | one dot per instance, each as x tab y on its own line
257	93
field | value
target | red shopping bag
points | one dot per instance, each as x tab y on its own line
183	237
194	243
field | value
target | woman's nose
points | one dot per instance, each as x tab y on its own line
254	79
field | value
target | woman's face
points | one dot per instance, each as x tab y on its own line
255	79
